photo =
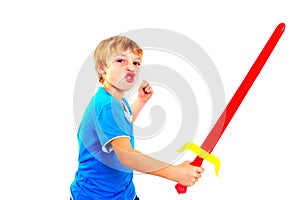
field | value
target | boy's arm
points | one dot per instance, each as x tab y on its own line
184	173
145	92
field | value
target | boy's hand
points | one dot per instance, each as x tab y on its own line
145	91
188	175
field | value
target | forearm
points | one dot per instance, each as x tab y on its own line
140	162
144	94
136	107
184	173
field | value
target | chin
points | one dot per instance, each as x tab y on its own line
127	86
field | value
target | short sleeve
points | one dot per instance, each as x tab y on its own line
112	123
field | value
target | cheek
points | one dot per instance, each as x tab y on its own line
137	73
113	75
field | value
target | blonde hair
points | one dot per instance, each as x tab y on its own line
109	46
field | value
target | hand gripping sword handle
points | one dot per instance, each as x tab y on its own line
181	189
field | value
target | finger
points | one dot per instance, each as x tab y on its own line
197	175
194	180
144	84
191	183
199	169
148	90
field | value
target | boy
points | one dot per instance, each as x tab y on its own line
107	156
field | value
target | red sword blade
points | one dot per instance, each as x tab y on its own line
224	119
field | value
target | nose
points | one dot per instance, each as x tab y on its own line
130	66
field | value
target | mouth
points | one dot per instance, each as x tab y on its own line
130	77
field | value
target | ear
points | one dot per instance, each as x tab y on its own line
100	69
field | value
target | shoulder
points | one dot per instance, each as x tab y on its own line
102	95
104	101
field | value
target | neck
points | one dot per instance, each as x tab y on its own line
114	91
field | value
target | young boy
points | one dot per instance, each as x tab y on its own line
107	156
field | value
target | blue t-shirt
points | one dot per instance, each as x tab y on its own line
100	175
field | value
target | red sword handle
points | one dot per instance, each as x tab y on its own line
221	124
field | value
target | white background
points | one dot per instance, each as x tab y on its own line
44	43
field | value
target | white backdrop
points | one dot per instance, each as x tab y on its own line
44	43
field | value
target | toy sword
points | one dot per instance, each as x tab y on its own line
224	119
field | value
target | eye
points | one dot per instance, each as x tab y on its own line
136	63
120	61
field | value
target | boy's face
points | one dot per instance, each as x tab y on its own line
123	70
